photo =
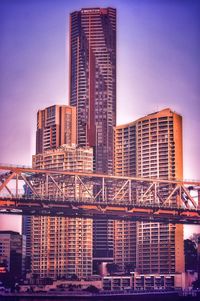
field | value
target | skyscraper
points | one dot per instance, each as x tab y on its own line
151	147
62	246
55	127
93	81
93	93
159	146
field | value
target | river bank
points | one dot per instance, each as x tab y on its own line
122	296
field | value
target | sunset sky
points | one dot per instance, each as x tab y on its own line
158	66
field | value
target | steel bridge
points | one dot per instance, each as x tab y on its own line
39	192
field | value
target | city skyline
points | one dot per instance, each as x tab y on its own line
153	72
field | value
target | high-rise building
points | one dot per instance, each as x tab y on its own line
159	148
93	93
26	231
93	81
151	147
12	253
125	165
55	127
62	246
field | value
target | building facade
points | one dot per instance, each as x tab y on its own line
56	125
144	282
62	246
151	147
125	165
93	93
12	253
93	81
26	231
59	246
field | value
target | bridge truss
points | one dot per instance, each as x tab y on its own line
28	191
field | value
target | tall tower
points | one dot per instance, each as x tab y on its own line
151	147
93	81
93	93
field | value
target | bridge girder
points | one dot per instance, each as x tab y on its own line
137	198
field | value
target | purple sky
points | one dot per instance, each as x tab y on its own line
158	65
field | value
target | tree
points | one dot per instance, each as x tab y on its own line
8	280
190	251
196	284
195	237
92	289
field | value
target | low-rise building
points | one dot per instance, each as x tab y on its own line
141	282
12	253
63	285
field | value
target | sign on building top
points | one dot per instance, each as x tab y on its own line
88	11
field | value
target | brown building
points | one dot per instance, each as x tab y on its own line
56	125
62	246
93	81
150	147
59	246
93	93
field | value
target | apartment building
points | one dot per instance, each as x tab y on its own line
151	147
125	165
55	127
62	246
